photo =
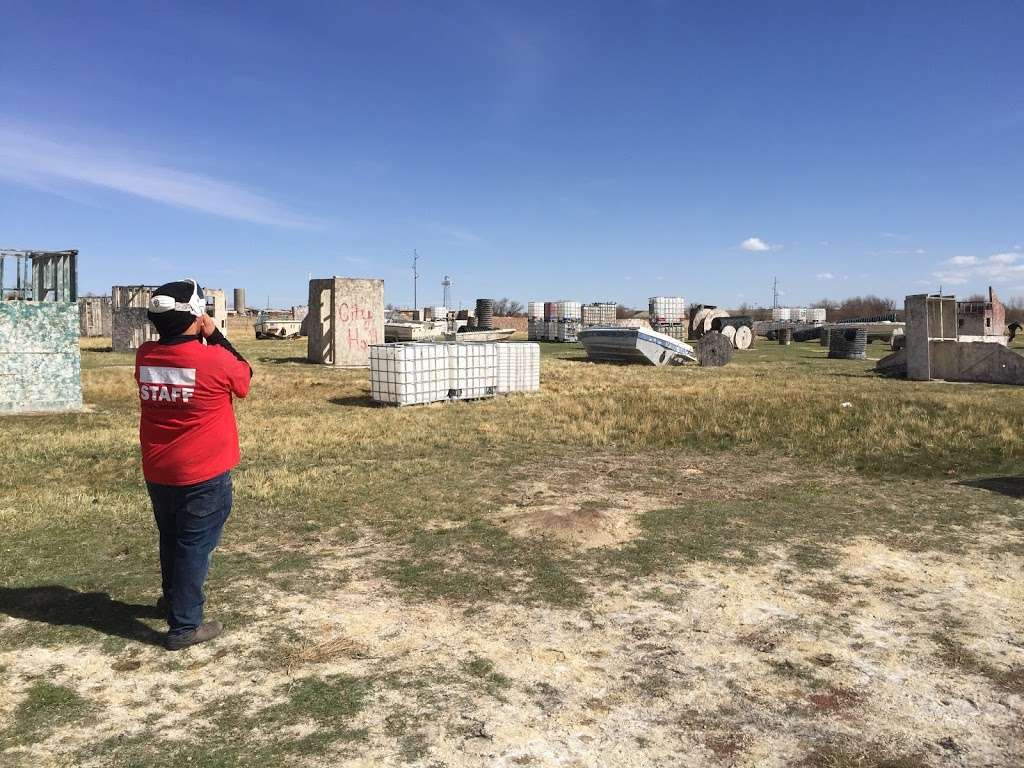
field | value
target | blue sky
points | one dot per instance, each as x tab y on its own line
590	151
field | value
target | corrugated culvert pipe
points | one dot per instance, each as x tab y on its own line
848	344
485	314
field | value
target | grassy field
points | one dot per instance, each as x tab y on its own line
786	561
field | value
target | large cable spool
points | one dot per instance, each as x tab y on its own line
729	332
711	316
697	322
785	336
485	314
825	331
743	338
713	350
848	344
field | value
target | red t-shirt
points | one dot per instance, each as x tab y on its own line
187	425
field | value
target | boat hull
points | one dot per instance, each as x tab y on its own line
634	345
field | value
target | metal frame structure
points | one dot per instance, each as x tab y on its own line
41	275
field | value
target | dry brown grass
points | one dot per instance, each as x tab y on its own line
627	546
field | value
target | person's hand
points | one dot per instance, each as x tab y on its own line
207	326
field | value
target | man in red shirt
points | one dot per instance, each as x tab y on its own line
189	443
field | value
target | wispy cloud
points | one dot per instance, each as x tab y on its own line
757	244
963	261
27	159
825	276
997	268
454	233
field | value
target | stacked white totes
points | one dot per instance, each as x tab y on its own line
407	374
518	367
472	370
667	310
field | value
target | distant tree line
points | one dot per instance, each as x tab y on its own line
856	306
508	308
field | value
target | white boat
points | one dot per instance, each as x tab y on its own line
634	345
268	328
413	331
498	334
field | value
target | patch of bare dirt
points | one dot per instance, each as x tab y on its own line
738	668
596	501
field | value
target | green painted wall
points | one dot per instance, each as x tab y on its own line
40	363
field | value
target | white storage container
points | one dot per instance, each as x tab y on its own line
518	367
407	374
599	313
472	370
667	310
535	310
568	310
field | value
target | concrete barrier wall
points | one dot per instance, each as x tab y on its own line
976	361
131	328
40	363
346	316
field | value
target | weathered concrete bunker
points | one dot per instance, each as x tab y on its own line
935	348
982	320
40	363
346	316
130	326
217	307
95	314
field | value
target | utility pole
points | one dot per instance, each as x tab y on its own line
415	278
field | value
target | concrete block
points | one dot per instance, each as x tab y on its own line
40	363
346	317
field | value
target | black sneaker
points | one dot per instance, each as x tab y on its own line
205	631
162	606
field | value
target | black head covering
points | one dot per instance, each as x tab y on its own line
173	322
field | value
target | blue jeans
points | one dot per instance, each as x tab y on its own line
190	519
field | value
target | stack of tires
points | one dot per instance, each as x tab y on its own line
848	344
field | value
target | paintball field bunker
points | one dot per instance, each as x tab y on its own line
217	308
935	350
94	316
346	317
40	363
130	325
